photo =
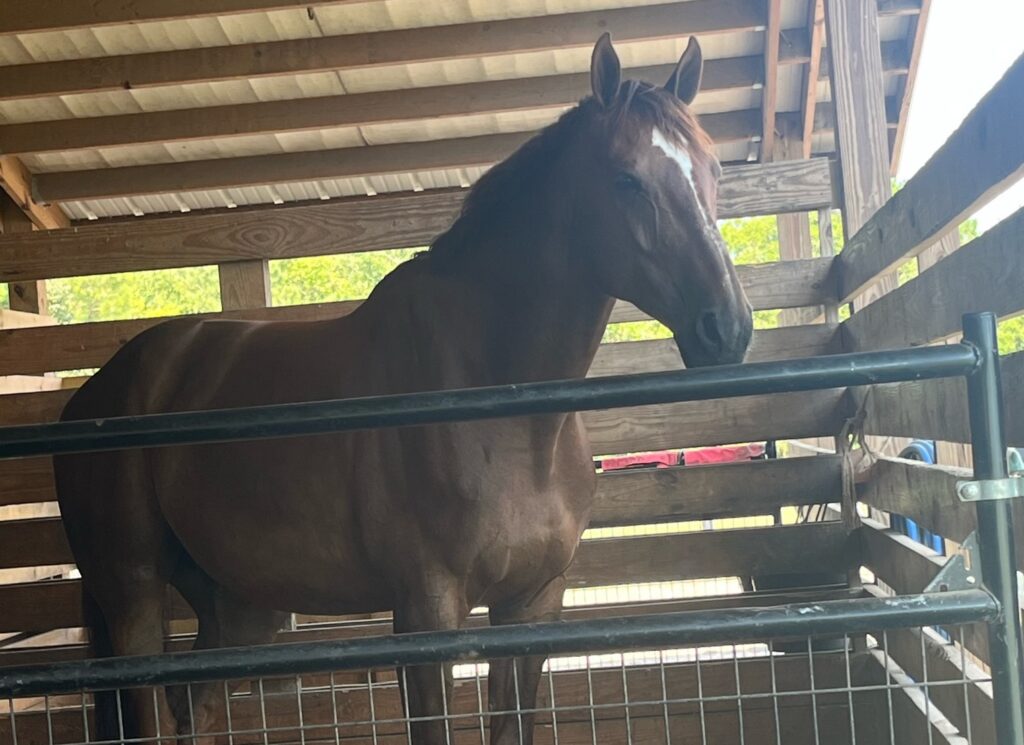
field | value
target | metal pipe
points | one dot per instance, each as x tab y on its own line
859	615
995	530
318	417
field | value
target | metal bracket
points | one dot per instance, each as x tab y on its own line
960	572
990	489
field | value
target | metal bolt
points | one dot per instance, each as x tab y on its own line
971	491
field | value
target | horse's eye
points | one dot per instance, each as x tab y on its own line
627	182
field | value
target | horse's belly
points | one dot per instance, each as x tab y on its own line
268	521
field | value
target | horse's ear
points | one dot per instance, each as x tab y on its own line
685	80
605	71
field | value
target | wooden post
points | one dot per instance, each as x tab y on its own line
794	227
244	284
862	140
25	296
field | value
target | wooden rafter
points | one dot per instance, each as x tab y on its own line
809	99
362	109
348	162
915	41
16	180
27	16
669	21
770	92
355	109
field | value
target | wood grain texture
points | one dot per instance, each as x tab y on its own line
348	162
982	157
638	429
777	550
926	494
858	99
705	492
352	109
16	181
598	563
339	226
18	319
984	275
88	345
770	91
244	284
27	16
809	94
937	409
907	567
26	298
393	47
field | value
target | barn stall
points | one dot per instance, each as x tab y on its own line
280	130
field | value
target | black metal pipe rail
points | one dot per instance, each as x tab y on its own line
319	417
859	615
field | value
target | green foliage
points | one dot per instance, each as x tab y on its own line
327	278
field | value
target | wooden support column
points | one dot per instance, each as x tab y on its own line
862	140
29	297
794	227
244	284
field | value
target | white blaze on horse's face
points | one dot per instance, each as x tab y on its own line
681	157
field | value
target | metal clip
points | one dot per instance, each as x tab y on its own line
990	489
960	571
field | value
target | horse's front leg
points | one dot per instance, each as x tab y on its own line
426	689
512	683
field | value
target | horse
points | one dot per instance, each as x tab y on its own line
616	199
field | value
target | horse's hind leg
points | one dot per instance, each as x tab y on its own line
134	620
513	683
224	621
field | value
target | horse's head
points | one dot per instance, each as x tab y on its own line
645	193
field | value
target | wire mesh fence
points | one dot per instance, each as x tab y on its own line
896	686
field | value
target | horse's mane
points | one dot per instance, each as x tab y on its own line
495	195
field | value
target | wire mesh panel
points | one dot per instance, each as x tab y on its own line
897	686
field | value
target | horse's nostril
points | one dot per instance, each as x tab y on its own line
708	330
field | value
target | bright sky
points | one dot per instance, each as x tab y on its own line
968	45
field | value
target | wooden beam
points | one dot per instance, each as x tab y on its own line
639	429
349	162
244	284
937	409
976	164
915	42
600	562
29	16
770	91
984	275
16	180
86	345
338	226
858	96
24	298
365	50
19	319
907	567
809	99
706	492
353	109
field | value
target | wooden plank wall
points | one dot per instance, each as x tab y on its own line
241	244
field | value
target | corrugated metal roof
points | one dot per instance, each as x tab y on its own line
342	19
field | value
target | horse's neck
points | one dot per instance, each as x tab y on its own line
495	314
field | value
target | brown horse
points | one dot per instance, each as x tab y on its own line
615	200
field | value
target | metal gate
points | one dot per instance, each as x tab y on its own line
715	676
